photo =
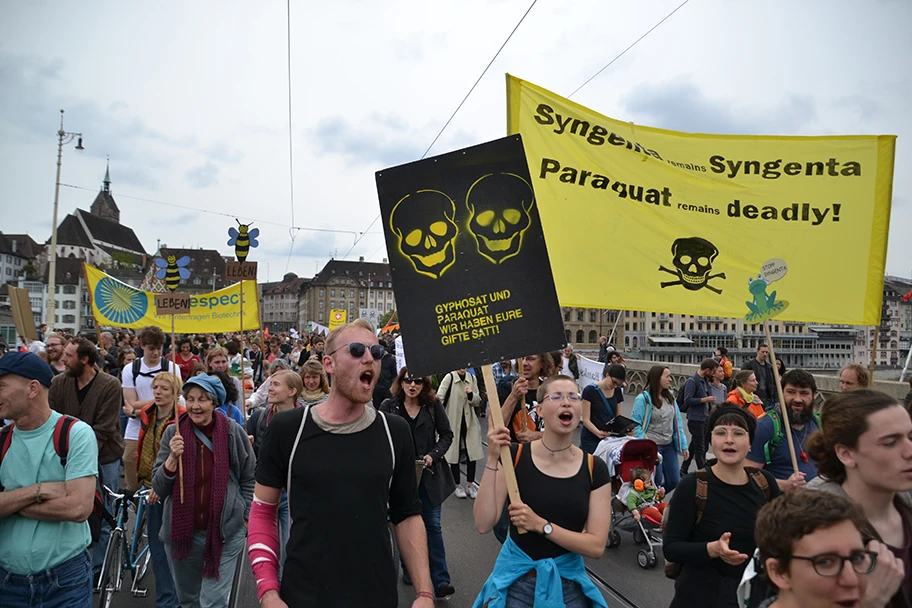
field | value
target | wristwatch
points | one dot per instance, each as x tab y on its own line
547	528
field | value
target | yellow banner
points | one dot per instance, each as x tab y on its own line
117	304
639	218
337	317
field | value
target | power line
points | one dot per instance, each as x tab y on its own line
291	233
591	78
459	107
231	215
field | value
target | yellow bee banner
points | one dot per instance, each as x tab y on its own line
116	304
337	317
639	218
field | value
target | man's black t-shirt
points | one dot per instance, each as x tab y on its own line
562	501
339	551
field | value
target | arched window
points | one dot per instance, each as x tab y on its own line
567	334
593	336
635	342
627	341
579	336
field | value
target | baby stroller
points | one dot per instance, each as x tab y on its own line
634	453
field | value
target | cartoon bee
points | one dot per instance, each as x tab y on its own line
242	239
172	270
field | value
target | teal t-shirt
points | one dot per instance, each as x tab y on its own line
28	546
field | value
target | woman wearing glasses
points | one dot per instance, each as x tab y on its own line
564	512
460	396
414	400
863	452
812	550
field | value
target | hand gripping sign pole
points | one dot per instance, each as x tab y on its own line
242	239
172	270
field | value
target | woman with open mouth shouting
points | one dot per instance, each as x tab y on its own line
564	514
205	529
709	525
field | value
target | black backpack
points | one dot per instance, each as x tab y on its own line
137	366
62	447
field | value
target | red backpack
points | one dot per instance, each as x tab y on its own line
62	448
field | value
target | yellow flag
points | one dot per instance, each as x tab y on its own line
639	218
116	304
337	317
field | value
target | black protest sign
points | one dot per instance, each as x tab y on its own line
470	268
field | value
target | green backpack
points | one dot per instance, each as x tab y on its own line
778	433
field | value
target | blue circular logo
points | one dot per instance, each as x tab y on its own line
119	303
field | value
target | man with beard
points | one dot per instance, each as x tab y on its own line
83	392
770	449
54	349
352	470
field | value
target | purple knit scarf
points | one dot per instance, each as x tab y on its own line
182	514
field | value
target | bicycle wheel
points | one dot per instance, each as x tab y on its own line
111	570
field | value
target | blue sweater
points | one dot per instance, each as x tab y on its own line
513	563
642	415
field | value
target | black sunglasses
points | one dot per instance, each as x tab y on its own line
356	350
413	380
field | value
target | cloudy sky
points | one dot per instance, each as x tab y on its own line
190	100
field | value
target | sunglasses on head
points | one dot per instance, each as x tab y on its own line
356	350
413	380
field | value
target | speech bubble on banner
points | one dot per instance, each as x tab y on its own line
468	258
773	270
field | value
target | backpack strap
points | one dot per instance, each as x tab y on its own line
62	437
591	462
516	458
389	437
294	448
770	446
137	365
759	479
701	494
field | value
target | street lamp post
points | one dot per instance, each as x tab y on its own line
62	138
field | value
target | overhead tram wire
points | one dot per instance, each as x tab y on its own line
456	111
291	232
231	215
591	78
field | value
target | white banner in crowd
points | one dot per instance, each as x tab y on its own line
320	329
590	372
400	355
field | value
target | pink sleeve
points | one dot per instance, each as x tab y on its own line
263	545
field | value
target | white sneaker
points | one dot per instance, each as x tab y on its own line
472	490
460	492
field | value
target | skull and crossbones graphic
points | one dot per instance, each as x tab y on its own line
693	259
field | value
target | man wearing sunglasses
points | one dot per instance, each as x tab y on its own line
348	471
811	547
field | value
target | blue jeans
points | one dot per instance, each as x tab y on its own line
165	595
66	585
668	474
193	590
521	594
284	530
110	476
440	574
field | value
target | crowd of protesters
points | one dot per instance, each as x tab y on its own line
293	449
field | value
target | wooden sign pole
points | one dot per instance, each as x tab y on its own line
505	458
243	347
180	461
783	411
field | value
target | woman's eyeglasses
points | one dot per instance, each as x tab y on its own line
357	349
557	397
413	380
831	564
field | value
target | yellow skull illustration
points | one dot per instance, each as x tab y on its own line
499	207
425	224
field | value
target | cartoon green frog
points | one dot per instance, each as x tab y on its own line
764	305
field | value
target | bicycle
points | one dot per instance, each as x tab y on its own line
122	555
